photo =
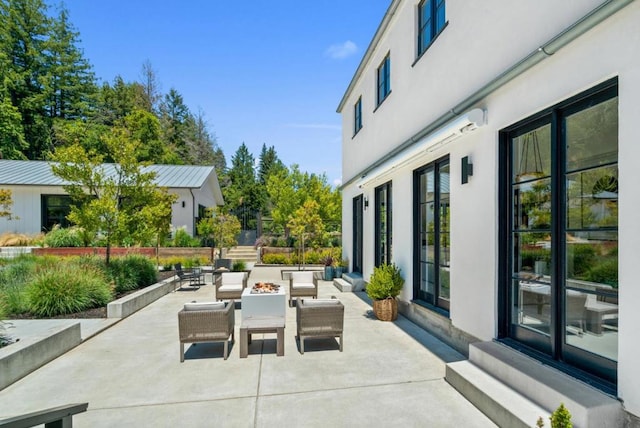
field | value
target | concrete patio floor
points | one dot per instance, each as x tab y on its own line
390	374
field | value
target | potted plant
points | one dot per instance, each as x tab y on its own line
342	266
384	286
328	268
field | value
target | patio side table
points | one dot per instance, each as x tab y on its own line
256	325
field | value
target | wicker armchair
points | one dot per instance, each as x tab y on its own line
319	318
206	322
302	284
230	285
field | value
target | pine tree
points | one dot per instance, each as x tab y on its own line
173	118
71	89
23	31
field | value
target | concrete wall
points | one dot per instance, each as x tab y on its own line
481	40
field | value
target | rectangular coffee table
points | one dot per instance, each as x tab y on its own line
256	325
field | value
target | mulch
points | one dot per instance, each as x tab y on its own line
100	312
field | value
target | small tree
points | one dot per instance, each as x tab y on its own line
5	203
306	223
111	199
221	228
561	418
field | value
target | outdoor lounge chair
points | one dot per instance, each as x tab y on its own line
230	285
206	322
319	318
195	276
302	284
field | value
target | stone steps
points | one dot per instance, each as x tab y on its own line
245	253
514	389
349	282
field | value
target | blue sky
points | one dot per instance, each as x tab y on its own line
261	71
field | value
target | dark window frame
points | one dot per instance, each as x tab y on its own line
383	80
383	247
430	30
357	116
47	222
435	303
582	364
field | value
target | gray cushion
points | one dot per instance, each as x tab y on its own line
203	306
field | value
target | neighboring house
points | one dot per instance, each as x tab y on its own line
40	202
488	151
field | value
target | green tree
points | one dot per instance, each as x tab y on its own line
269	164
242	195
306	225
173	118
6	202
12	141
24	28
108	198
222	229
289	189
70	86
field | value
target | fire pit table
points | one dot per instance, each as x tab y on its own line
263	311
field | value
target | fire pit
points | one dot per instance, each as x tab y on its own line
264	288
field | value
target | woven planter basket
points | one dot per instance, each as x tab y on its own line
386	309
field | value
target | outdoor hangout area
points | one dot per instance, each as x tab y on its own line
250	359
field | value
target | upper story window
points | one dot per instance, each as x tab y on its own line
431	19
357	116
384	79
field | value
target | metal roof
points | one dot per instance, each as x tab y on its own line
38	173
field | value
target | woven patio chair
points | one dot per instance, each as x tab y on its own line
206	322
302	284
319	318
230	285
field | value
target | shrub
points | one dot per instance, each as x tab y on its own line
276	259
239	265
64	237
182	239
66	289
132	272
583	257
13	280
386	281
604	272
10	239
561	418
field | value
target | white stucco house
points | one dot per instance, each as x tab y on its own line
39	200
488	151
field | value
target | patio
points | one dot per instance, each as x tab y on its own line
390	374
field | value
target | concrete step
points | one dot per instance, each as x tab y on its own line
500	403
545	386
355	279
246	253
342	285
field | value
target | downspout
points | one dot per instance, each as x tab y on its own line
587	22
193	212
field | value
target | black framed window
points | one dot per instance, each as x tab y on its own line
55	209
384	79
357	116
559	256
383	224
431	20
433	245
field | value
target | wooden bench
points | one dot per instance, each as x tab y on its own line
261	325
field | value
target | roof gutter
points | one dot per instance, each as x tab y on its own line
578	28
